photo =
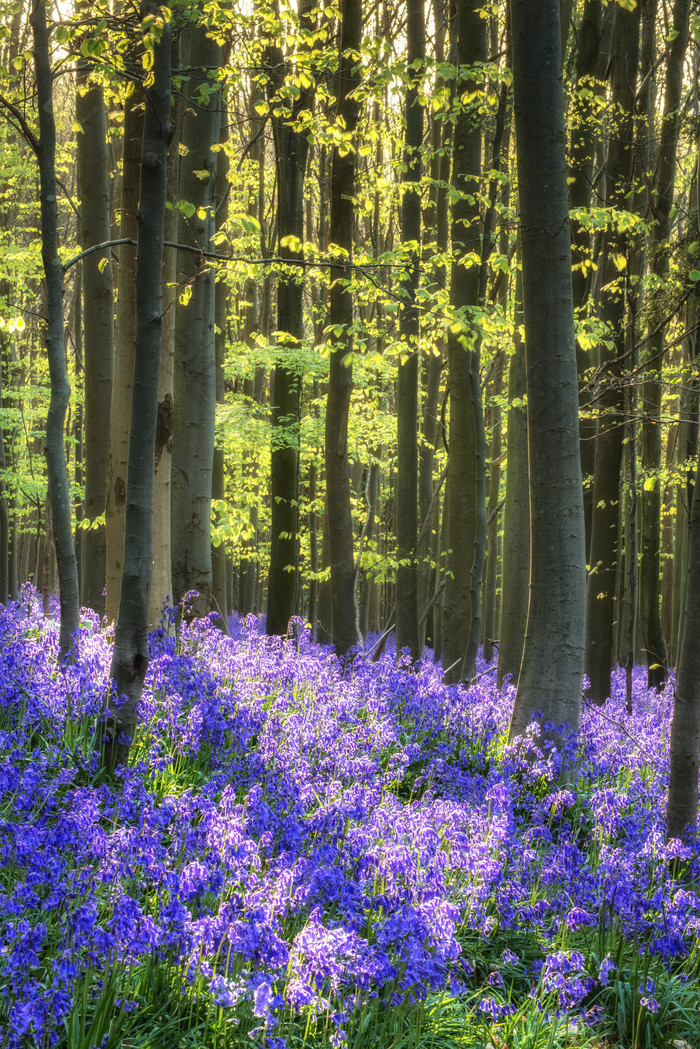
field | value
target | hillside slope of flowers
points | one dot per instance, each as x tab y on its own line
297	857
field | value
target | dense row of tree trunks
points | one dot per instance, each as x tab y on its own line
549	685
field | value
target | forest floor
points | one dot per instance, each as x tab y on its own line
297	857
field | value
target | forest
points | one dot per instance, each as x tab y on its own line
349	523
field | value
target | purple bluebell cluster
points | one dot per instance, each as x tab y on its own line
293	842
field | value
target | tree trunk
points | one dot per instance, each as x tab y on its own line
120	411
549	686
291	153
650	565
407	575
605	523
682	807
342	210
466	480
98	326
493	528
195	361
162	578
130	655
516	512
59	489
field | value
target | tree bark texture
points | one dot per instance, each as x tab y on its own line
516	511
604	555
59	489
120	411
291	154
663	196
549	686
466	479
130	655
407	575
194	374
342	210
682	806
98	327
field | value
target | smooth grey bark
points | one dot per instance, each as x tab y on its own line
340	318
130	655
59	489
194	369
549	685
407	574
662	201
604	555
291	155
98	326
466	482
120	410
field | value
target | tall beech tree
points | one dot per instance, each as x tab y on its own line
407	389
291	140
465	495
194	372
130	656
549	686
98	325
120	408
340	318
59	489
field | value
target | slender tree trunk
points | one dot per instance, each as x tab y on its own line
682	807
120	412
162	578
342	211
466	481
407	575
195	360
650	566
219	559
437	221
516	512
98	326
549	686
130	655
4	511
291	154
492	557
605	524
591	58
59	489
